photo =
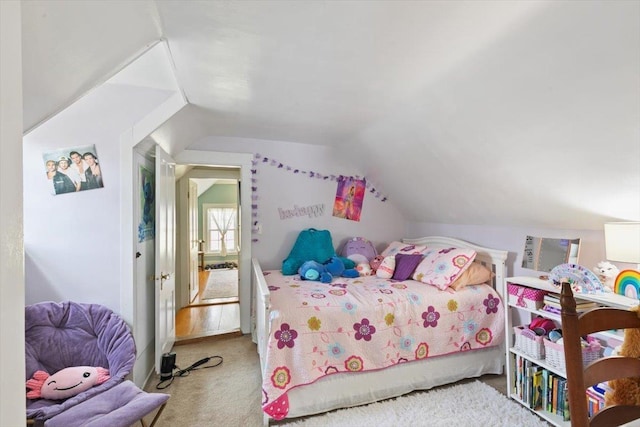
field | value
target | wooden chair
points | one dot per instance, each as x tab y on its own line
579	378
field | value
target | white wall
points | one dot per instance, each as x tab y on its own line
12	364
277	188
512	239
80	246
72	242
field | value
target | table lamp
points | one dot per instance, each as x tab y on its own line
622	244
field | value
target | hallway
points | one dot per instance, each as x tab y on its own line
206	318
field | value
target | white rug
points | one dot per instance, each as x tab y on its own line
222	283
464	405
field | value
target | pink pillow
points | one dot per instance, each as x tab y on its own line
402	248
441	267
405	265
476	274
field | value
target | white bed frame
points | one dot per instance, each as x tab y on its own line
346	390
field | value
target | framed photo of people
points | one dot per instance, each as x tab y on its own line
73	169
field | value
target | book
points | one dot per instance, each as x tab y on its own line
595	400
554	396
554	301
566	416
545	385
561	396
549	392
536	401
518	377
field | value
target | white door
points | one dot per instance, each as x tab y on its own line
193	240
165	254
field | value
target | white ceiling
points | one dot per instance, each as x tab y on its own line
464	112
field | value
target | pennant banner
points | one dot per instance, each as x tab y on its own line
261	160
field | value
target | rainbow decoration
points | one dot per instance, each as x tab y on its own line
628	284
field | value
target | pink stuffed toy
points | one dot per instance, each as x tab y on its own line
375	263
65	383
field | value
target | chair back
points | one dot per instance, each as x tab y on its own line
579	378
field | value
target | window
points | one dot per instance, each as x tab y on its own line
220	228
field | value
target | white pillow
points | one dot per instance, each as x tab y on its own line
387	267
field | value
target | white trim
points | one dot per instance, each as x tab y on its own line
243	161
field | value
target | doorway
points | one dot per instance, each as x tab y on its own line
210	223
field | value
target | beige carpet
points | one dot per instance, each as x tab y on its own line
222	283
228	395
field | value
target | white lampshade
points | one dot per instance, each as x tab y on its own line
622	241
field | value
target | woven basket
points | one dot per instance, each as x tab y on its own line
528	342
554	353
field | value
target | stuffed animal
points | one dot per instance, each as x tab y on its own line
65	383
313	270
364	269
607	274
626	391
334	267
387	267
375	263
359	250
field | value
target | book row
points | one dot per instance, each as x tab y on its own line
541	389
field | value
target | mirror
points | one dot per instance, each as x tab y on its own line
542	253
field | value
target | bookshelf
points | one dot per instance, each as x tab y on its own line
521	366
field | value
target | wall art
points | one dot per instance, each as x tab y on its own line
147	201
349	197
311	211
73	169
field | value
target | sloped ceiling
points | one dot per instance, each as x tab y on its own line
478	112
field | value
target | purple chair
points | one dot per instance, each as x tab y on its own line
61	335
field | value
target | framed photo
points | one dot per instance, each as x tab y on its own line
74	169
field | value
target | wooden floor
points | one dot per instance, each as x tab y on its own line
205	318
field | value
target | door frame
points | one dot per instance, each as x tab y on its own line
183	265
243	162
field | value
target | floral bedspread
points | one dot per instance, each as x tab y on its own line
367	323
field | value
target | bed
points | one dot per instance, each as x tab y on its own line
414	337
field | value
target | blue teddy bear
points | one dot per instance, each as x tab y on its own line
334	267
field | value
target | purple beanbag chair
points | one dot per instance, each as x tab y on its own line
61	335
